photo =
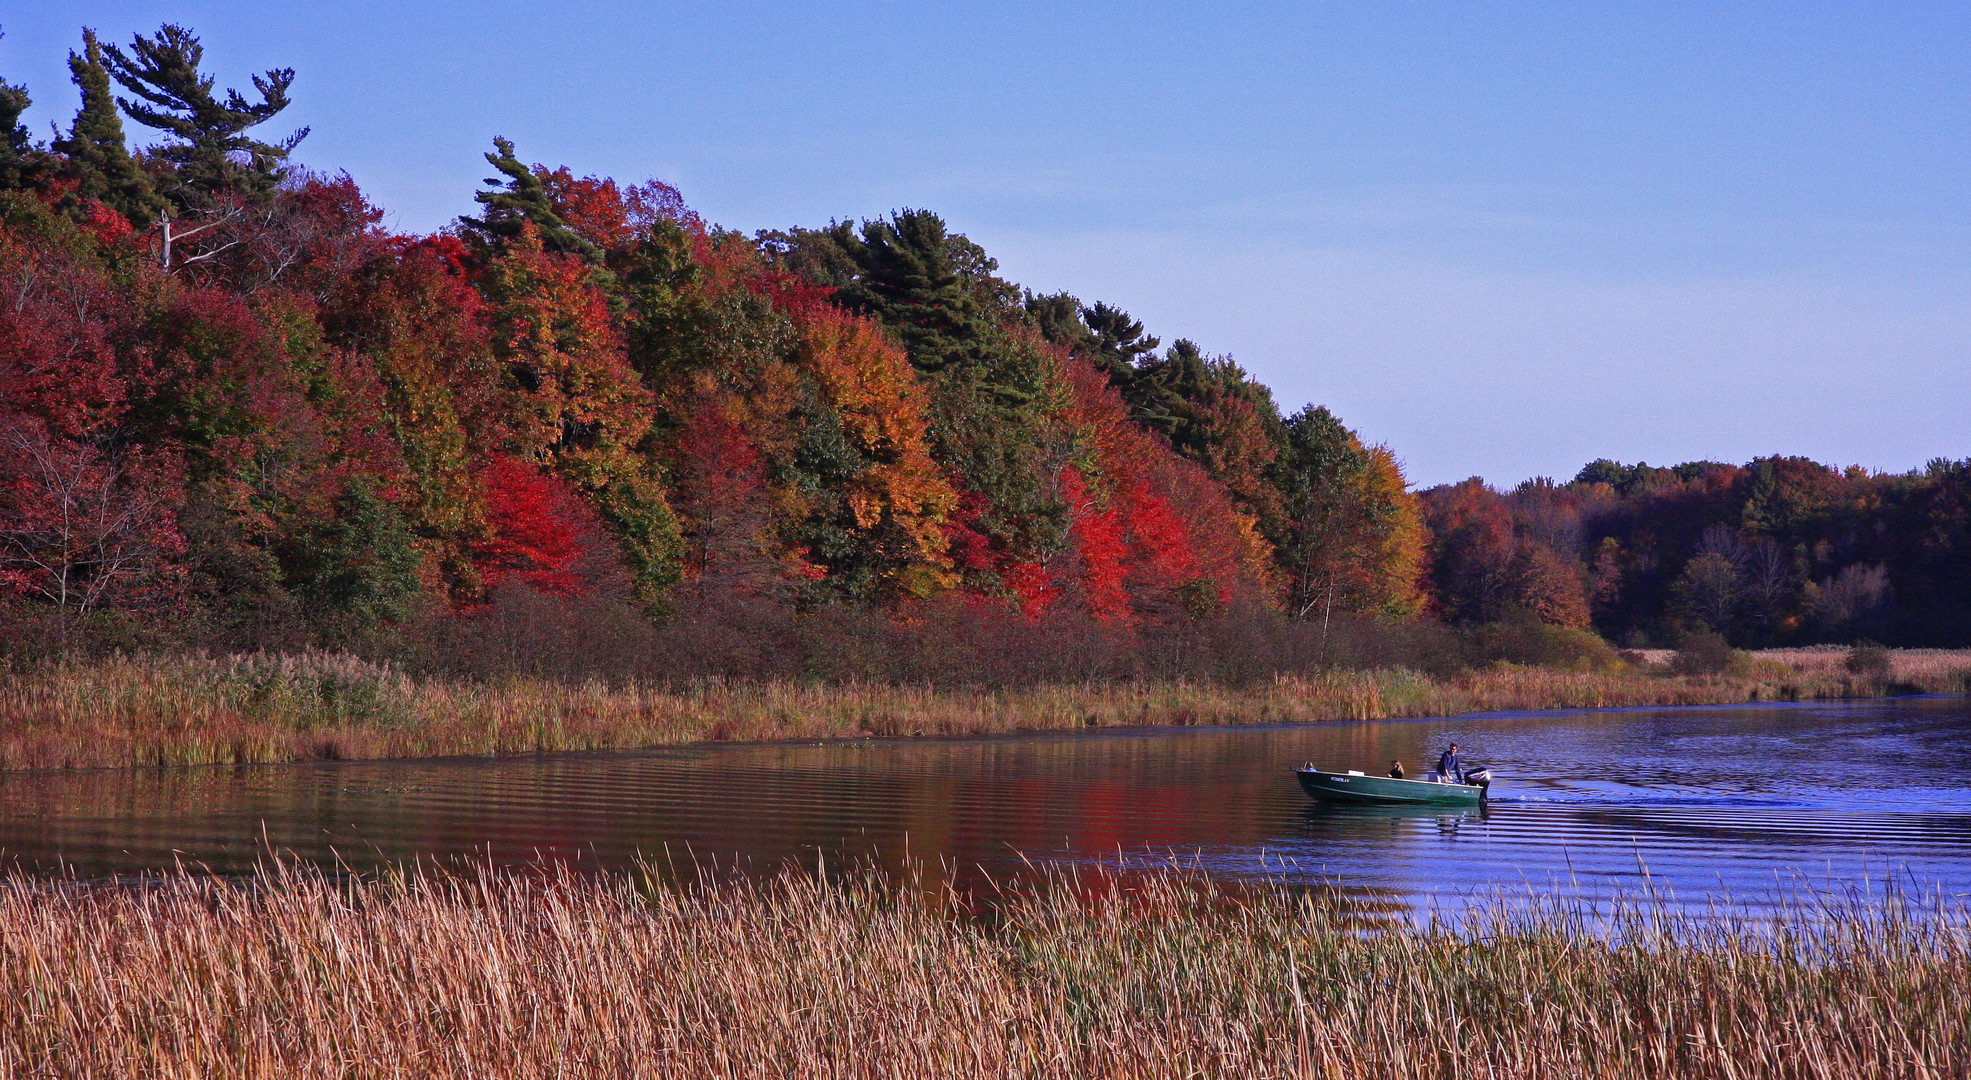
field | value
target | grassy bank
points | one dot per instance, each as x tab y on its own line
433	975
154	710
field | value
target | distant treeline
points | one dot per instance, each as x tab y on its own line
236	411
1781	550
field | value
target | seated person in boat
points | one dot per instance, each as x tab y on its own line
1449	769
1396	770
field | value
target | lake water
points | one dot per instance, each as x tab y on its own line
1745	800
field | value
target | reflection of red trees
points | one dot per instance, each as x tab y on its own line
541	530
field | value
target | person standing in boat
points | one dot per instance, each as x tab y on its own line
1449	769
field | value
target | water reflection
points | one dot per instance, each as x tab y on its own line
1703	801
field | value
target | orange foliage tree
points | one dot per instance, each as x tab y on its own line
1490	562
414	316
578	405
894	504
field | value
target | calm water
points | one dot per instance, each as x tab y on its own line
1744	800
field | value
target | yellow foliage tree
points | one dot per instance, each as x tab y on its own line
898	500
1357	540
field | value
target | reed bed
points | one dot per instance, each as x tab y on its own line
473	974
1827	666
149	710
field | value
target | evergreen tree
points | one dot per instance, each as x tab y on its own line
907	278
1058	318
97	157
1166	394
522	197
994	395
16	147
174	97
358	569
1119	343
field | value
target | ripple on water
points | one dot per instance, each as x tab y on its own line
1739	799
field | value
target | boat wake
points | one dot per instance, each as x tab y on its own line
1640	800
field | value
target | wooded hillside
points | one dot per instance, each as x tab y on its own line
236	411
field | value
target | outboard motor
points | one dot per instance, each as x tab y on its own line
1482	776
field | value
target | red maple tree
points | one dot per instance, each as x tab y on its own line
77	528
541	529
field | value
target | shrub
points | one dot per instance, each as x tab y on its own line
1867	659
1536	644
1703	653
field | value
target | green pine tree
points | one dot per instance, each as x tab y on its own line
1120	343
1058	318
210	132
907	278
993	395
357	570
519	198
1167	394
97	157
16	147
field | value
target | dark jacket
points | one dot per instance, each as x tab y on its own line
1448	766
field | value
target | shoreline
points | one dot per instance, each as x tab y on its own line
161	711
865	738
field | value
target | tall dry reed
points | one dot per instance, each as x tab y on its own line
166	710
434	974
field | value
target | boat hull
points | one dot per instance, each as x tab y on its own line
1385	790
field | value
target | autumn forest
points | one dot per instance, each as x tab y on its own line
585	429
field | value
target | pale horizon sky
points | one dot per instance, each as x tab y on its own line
1503	240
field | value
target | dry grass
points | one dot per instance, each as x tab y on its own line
1829	662
1917	666
469	975
157	710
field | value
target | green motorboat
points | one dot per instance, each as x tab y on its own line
1357	787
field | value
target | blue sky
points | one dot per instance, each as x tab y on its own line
1504	239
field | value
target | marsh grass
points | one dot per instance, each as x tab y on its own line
149	710
460	973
